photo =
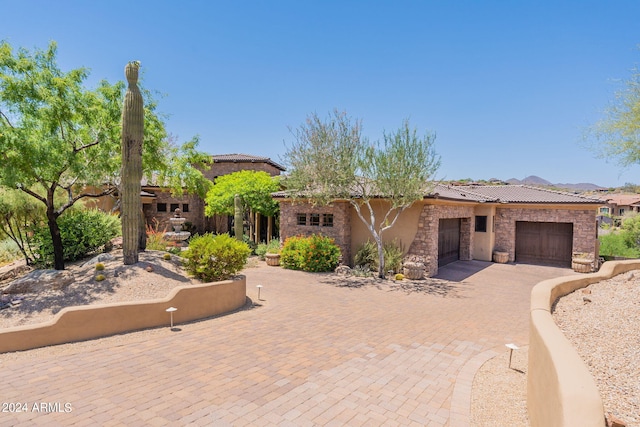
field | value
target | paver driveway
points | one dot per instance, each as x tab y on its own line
311	352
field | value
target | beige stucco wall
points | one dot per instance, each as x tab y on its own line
88	322
560	390
403	232
483	242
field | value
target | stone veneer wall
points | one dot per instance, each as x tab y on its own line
340	232
583	220
426	242
225	168
195	214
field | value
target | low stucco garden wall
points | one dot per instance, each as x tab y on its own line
80	323
560	389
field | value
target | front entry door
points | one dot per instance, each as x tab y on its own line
448	241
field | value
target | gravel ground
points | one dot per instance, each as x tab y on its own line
499	392
122	283
606	334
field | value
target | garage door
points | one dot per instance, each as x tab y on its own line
547	243
448	241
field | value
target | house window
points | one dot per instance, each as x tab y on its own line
604	211
185	207
174	206
162	207
302	219
481	223
327	220
621	211
314	220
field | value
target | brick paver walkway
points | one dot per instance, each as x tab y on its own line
309	353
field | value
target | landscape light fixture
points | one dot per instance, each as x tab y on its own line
259	288
171	310
511	347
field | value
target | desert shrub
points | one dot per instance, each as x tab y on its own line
367	254
155	237
631	230
617	244
215	257
314	253
174	250
83	231
9	251
261	250
247	240
393	255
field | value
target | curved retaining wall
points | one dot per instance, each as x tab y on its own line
94	321
560	389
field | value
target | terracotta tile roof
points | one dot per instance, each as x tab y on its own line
245	158
520	194
498	194
621	199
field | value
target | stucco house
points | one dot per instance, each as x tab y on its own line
619	204
159	205
530	224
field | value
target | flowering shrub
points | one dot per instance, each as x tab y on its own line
314	253
212	258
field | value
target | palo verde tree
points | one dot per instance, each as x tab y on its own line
253	189
58	138
331	160
617	135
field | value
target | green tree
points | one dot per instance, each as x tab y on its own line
254	189
57	137
617	135
20	217
330	160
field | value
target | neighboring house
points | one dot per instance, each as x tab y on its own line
159	205
532	225
619	204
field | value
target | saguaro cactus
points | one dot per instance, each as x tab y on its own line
133	233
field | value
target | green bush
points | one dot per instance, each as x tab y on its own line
9	251
367	255
393	255
273	247
617	244
261	249
82	231
315	253
212	258
247	240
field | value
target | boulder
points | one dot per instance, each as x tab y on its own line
39	280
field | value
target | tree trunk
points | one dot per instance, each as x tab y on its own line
381	272
56	239
132	136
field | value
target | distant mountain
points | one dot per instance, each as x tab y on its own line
530	180
537	181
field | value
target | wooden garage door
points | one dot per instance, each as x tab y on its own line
547	243
448	241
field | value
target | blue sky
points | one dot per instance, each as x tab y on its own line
509	87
